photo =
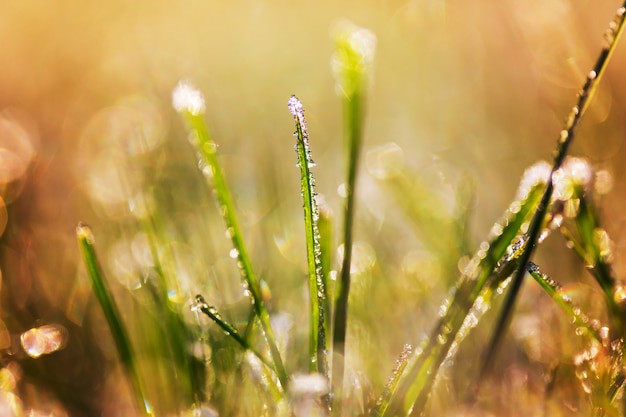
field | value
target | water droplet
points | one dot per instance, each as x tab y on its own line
209	147
207	171
234	253
442	339
43	340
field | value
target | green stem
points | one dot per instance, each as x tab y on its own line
112	315
353	108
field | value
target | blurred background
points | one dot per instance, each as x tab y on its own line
464	96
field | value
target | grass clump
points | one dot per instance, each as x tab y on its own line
552	198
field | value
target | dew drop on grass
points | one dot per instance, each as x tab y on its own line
209	147
234	253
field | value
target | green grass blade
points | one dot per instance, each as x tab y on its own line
565	140
415	383
190	103
354	51
553	289
317	289
211	312
384	401
103	294
597	254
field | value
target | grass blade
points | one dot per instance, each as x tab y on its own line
317	289
565	140
354	52
595	249
212	313
190	103
413	389
103	294
553	289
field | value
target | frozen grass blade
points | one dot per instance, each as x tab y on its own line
384	401
190	103
211	312
317	290
566	137
412	391
354	53
103	294
553	289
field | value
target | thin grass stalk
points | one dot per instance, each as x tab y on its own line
317	290
112	315
190	103
415	382
565	140
212	313
353	56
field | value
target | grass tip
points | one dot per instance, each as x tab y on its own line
187	98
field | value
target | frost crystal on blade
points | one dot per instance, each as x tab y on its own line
295	107
187	98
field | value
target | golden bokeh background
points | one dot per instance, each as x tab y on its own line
460	89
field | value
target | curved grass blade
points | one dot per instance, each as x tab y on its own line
412	391
211	312
190	103
401	364
354	52
565	140
553	289
317	289
103	294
